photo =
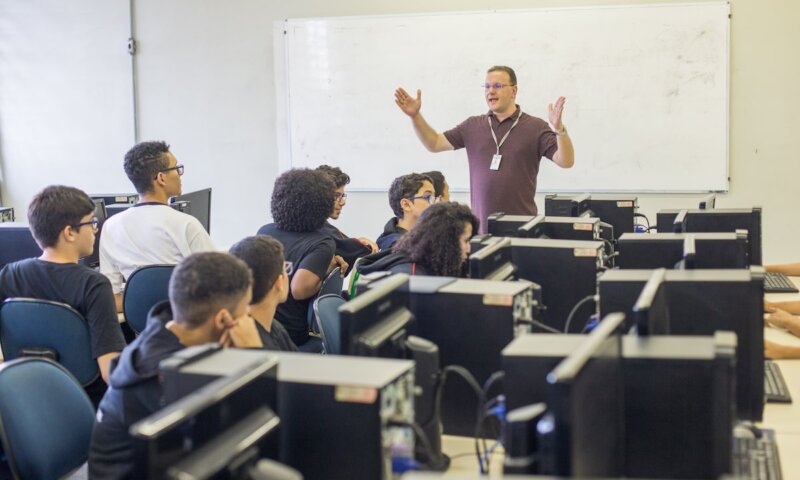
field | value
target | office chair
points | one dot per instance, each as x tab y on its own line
42	328
332	285
146	287
45	419
326	309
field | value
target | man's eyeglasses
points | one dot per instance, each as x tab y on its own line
340	197
178	168
94	222
496	86
431	199
289	267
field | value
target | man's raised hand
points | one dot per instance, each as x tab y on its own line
554	114
408	104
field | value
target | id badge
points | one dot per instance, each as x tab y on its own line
495	162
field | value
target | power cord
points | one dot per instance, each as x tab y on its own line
575	310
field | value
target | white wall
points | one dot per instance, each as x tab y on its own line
199	58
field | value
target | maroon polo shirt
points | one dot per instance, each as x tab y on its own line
511	188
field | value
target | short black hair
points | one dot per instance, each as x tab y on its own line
302	200
340	179
434	240
405	187
437	178
203	283
264	255
502	68
54	208
143	162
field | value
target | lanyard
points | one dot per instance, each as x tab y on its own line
498	145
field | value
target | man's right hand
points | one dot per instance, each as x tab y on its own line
408	104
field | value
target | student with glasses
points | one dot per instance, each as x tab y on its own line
440	185
504	146
350	249
61	221
409	196
150	232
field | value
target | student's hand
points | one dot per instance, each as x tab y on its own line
338	261
554	114
408	104
769	307
776	351
368	243
781	319
243	334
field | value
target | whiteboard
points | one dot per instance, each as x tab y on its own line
646	88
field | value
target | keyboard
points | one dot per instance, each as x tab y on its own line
757	458
775	389
775	282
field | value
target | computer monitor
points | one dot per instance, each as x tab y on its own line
582	433
230	413
16	243
115	198
93	260
199	206
719	220
493	262
666	250
708	202
651	310
6	214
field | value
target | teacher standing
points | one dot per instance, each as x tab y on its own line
504	146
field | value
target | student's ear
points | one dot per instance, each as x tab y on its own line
281	283
68	234
223	320
405	204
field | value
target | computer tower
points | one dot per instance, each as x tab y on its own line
566	205
665	250
566	271
679	405
617	210
562	228
701	302
6	214
471	321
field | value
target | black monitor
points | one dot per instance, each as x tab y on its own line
199	206
231	414
582	433
16	243
720	220
708	202
666	250
689	260
651	310
493	262
93	260
116	198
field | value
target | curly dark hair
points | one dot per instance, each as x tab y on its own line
54	208
204	283
340	179
302	200
143	162
264	255
437	178
405	187
433	242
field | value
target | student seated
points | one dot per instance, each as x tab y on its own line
350	249
208	298
150	232
790	269
409	196
438	245
301	203
61	220
264	256
784	315
440	186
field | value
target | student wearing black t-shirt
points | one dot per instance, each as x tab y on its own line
301	202
208	298
61	221
264	255
350	249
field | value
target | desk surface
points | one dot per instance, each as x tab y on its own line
783	418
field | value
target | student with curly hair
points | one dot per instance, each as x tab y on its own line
348	248
438	245
301	203
409	196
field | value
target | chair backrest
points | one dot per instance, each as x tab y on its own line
326	309
332	283
145	287
45	419
33	327
354	274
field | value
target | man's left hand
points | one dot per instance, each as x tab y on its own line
554	114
